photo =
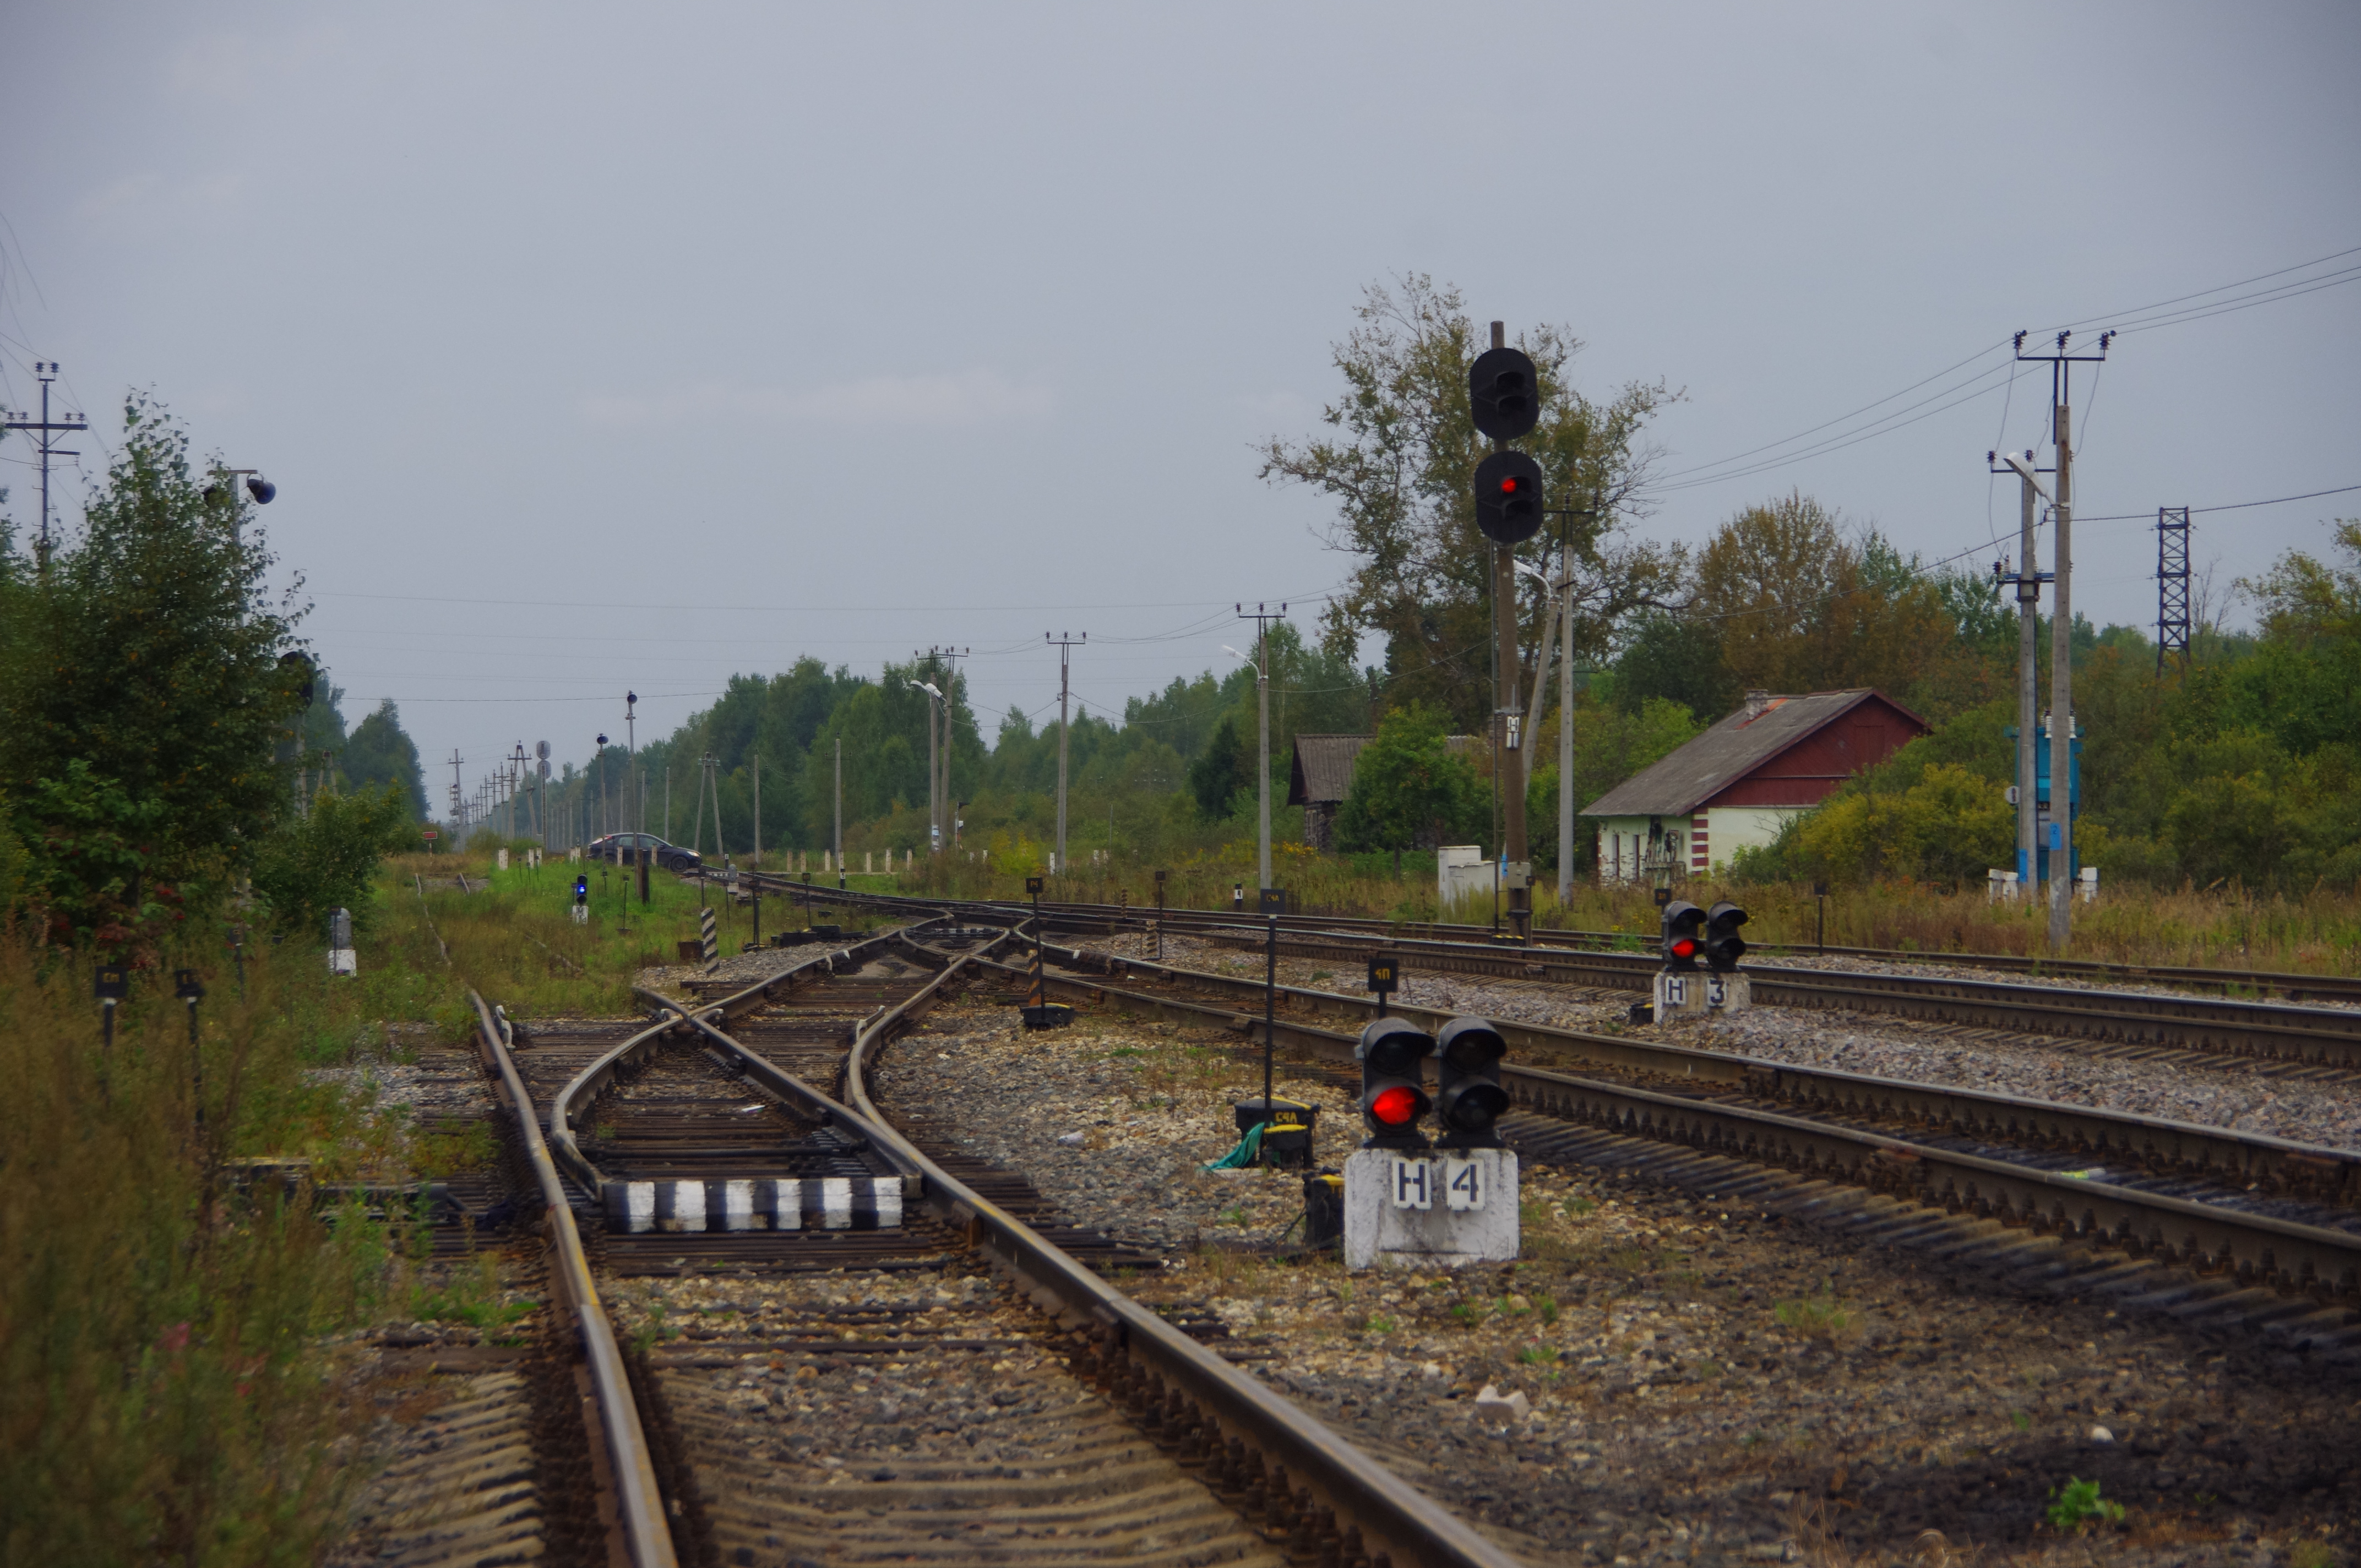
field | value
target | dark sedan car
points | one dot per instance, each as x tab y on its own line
623	849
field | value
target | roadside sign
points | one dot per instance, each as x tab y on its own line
430	833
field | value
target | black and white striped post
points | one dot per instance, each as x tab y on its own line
706	929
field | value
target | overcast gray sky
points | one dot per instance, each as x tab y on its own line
595	347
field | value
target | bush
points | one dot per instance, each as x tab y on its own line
328	857
1950	825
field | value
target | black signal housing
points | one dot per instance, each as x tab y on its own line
1684	937
1391	1052
1509	498
1723	945
1469	1100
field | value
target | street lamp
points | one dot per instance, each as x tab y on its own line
263	492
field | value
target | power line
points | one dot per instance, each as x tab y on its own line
2139	319
2227	506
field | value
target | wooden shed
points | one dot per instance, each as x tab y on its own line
1741	781
1319	779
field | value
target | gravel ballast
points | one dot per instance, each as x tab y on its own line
2032	1066
1702	1381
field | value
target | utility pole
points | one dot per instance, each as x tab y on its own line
2061	639
939	752
2028	583
1065	646
458	810
45	432
1262	615
1564	593
839	811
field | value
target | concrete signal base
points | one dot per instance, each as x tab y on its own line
1469	1213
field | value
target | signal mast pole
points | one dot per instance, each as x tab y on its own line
1507	676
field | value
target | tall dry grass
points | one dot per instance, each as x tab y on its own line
2314	933
164	1392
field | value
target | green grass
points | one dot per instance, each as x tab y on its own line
2077	1504
1816	1318
471	1295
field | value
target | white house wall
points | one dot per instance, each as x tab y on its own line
1699	843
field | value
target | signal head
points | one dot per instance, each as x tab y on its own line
1469	1045
1723	945
261	489
1683	939
1393	1100
1469	1098
1394	1047
1509	498
1504	393
299	669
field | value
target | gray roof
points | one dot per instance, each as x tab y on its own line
1323	770
1679	783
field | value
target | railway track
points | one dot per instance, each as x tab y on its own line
886	1357
2253	1030
2252	1214
2252	982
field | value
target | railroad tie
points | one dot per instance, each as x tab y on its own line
757	1203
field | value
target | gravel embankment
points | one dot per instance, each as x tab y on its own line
1704	1382
2031	1065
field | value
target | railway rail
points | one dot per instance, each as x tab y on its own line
1117	1433
2277	1032
2313	1264
2284	984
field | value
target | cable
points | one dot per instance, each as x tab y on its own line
2227	506
2140	319
2136	310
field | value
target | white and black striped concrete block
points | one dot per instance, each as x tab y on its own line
757	1203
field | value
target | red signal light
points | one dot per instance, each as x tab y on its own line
1685	948
1395	1107
1509	487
